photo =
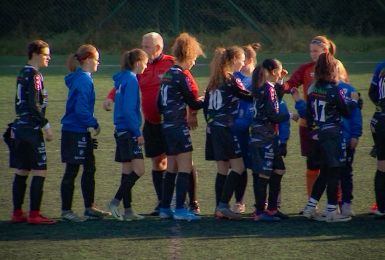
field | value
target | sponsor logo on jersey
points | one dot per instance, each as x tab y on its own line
37	81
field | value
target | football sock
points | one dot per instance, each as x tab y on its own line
240	189
127	194
192	188
332	184
274	190
157	179
18	190
219	183
379	189
122	187
182	185
261	194
168	189
232	181
36	192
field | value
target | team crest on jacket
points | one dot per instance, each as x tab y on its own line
37	80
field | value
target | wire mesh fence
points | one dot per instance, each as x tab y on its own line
114	23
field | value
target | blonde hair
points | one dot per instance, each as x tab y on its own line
84	52
220	65
186	47
251	51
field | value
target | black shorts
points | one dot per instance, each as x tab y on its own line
76	148
127	148
154	144
278	163
178	140
29	149
9	139
377	125
332	148
262	157
221	144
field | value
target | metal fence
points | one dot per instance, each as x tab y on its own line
118	21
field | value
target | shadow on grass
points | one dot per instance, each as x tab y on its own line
152	228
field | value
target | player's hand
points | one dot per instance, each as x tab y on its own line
353	143
48	134
354	96
283	73
107	104
294	117
93	131
140	140
192	120
295	94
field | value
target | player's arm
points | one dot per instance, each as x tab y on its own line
34	86
188	96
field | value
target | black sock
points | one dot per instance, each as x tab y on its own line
379	189
67	185
168	189
88	187
122	187
261	194
219	183
255	187
192	188
332	185
182	185
232	181
274	189
240	189
127	197
157	179
36	192
320	184
18	190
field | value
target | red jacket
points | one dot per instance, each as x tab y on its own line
304	76
149	84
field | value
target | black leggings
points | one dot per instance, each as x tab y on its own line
327	179
87	184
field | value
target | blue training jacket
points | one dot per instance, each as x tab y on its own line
351	126
284	127
79	114
243	119
127	115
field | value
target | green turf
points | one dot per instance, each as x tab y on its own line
151	238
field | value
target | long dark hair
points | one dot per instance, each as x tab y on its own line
262	71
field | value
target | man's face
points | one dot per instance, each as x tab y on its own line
150	47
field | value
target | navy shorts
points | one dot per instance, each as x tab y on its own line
76	148
154	144
377	125
29	149
262	157
127	148
332	148
178	140
221	144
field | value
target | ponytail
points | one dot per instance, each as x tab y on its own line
262	71
84	52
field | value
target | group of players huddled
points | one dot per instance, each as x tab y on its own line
248	125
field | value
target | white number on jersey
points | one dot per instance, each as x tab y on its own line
215	100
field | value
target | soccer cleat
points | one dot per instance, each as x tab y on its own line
69	215
114	209
373	209
379	215
309	212
334	216
281	215
36	218
95	213
194	207
266	216
130	214
184	214
227	213
18	216
346	210
165	213
239	208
